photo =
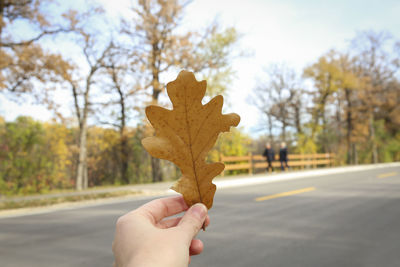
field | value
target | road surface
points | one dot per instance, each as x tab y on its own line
350	219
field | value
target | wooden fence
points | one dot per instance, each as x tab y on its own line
253	162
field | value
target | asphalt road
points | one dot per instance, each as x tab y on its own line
337	220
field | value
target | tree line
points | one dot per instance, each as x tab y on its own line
347	102
38	157
114	70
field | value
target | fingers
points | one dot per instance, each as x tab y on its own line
168	223
158	209
207	222
192	221
196	247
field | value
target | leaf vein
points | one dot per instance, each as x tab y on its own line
190	146
203	122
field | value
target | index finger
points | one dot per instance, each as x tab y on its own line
158	209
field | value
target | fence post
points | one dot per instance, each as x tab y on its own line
314	159
251	163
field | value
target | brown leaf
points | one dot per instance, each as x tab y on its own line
185	134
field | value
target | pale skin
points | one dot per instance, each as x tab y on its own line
147	237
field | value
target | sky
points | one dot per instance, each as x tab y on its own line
292	32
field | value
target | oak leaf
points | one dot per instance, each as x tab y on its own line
185	134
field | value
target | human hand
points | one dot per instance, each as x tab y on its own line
145	238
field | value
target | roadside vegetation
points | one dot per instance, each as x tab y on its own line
347	102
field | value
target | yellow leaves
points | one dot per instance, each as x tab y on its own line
185	134
57	140
234	143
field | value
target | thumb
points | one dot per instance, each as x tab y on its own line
193	220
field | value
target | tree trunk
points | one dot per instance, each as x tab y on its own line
85	175
355	154
298	120
124	159
324	132
270	128
124	149
82	175
155	163
349	149
156	170
283	136
339	121
349	123
82	168
372	139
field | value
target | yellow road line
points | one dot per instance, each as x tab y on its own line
285	194
385	175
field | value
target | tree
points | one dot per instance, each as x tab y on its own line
323	73
211	58
337	82
33	157
24	62
81	82
279	98
122	91
348	85
235	144
161	47
361	86
102	156
378	68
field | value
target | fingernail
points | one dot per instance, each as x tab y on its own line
199	210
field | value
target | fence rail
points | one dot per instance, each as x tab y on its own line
253	162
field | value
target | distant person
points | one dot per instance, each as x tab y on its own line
283	156
269	154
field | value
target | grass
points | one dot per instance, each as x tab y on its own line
9	204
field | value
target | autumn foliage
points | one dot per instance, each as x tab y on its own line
345	102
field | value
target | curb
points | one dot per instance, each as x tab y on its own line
220	183
251	180
12	213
